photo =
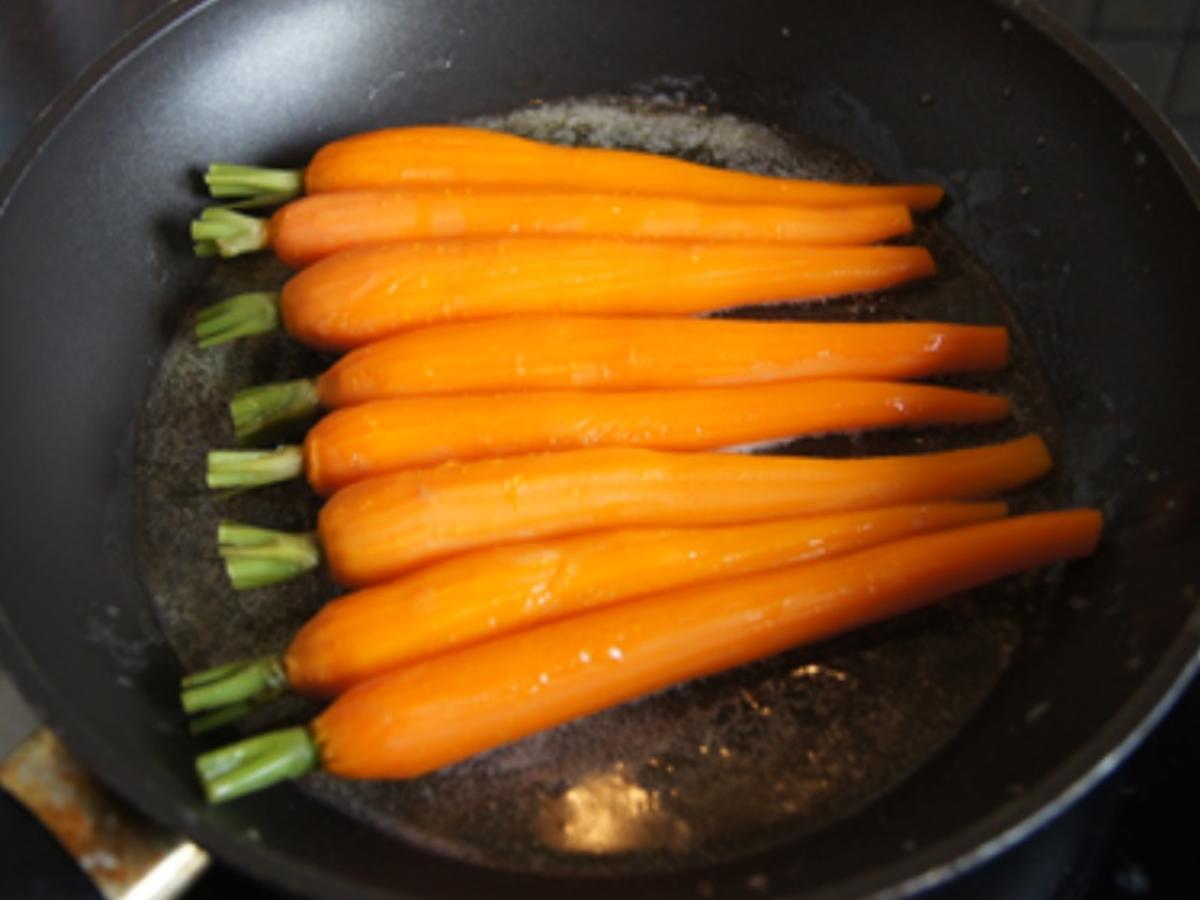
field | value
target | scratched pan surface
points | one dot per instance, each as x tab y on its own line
877	762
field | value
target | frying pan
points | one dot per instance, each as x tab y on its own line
1063	184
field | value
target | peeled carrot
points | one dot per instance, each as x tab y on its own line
385	436
479	595
380	527
448	155
422	717
310	228
581	353
361	295
376	529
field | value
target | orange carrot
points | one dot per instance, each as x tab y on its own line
377	529
378	438
479	595
422	717
448	155
629	354
580	353
385	436
310	228
361	295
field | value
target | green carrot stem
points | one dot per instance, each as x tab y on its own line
219	718
211	675
257	557
258	408
229	232
253	468
238	316
225	180
258	201
263	678
256	763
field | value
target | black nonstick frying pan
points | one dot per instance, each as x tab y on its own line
1072	216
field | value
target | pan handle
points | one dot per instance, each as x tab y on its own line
126	856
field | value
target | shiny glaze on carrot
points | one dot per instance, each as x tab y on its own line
450	155
310	228
376	529
480	595
425	716
363	294
588	353
384	436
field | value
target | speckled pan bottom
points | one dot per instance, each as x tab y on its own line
694	774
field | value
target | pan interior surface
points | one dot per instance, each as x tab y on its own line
696	774
1062	184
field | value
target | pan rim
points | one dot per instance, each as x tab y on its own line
951	857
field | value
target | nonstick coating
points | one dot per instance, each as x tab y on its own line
1062	182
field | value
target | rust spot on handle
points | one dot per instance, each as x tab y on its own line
124	853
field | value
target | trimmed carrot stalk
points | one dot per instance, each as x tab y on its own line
422	717
256	557
311	228
220	231
229	691
456	156
226	469
480	595
262	407
233	182
364	294
241	315
583	353
386	436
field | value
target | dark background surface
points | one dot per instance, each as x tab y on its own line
1147	848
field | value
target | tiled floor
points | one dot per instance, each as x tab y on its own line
1155	42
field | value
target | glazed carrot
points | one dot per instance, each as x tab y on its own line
422	717
376	529
310	228
479	595
361	295
448	155
384	436
582	353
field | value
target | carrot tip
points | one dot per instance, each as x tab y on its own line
927	197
